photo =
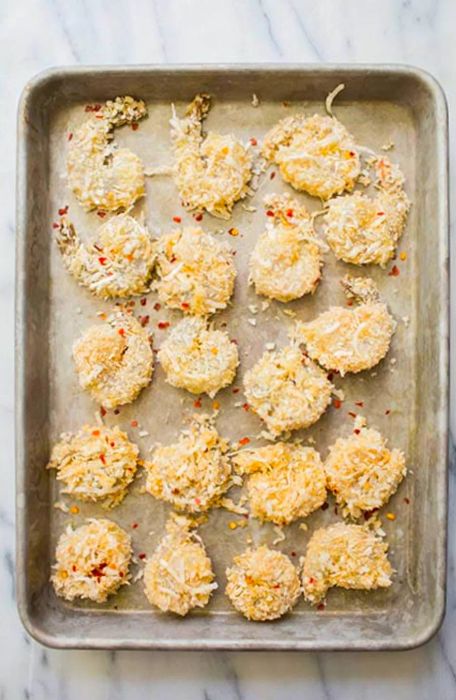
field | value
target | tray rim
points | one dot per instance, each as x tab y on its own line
442	426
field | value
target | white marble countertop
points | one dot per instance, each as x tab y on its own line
36	34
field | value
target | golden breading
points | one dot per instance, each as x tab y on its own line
117	264
101	174
287	390
286	261
179	576
314	154
114	360
210	172
349	339
193	473
363	230
196	271
92	561
95	464
348	556
362	472
285	481
198	359
262	584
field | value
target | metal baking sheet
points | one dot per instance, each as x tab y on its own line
380	104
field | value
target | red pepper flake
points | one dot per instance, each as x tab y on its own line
98	570
321	606
185	305
245	406
353	415
406	500
121	332
177	219
337	403
293	554
173	259
276	585
330	376
197	403
244	441
197	501
272	175
102	411
369	513
253	141
285	104
73	568
93	108
357	431
236	390
134	423
70	136
116	411
63	211
143	301
380	213
95	433
325	506
112	444
289	212
359	403
387	412
102	260
269	212
163	324
54	225
102	458
311	580
101	214
121	574
134	526
144	320
198	217
350	303
142	555
134	126
157	306
394	272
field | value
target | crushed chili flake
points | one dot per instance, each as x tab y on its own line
135	126
55	225
269	212
102	411
406	500
101	214
337	403
93	108
236	390
359	403
116	411
177	219
197	403
330	376
285	104
63	211
352	153
144	320
185	305
357	431
134	423
289	212
163	324
70	136
321	606
353	415
325	506
380	213
394	272
157	306
143	301
245	406
311	580
95	433
102	260
134	526
272	175
293	554
102	458
387	412
253	141
197	501
276	585
142	555
73	568
244	441
349	302
121	332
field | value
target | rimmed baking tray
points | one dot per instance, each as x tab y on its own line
406	396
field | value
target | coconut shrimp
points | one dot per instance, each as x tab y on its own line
363	230
197	358
118	264
210	172
315	154
287	390
114	360
349	339
286	261
102	175
348	556
361	471
179	576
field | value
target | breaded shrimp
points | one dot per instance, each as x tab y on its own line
349	339
197	358
361	471
315	154
363	230
118	264
210	172
114	360
195	271
287	390
348	556
286	261
193	473
262	584
179	576
92	561
101	174
285	481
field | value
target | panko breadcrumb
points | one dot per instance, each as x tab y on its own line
95	464
362	472
101	174
199	359
118	263
349	339
196	271
114	360
348	556
193	473
92	561
363	230
262	584
285	482
315	154
179	576
287	390
286	261
210	172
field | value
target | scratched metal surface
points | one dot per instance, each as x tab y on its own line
378	106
